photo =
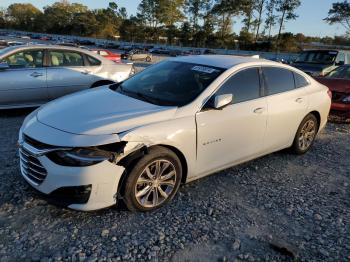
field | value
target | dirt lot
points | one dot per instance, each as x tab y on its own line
277	208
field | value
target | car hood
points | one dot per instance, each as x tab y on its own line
101	111
310	67
335	84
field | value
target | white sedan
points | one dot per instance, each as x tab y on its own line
31	75
176	121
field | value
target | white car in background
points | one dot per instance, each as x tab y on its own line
174	122
31	75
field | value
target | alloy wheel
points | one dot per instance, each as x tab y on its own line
155	183
307	134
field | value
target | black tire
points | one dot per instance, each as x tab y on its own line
148	59
155	154
297	147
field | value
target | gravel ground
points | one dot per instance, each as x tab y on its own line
278	208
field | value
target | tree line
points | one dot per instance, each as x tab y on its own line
198	23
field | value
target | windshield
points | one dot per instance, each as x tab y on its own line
170	83
317	57
340	72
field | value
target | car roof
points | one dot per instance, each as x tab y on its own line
221	61
59	47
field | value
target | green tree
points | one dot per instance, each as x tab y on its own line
2	18
226	10
148	17
148	13
287	11
60	16
186	34
271	17
23	16
169	12
196	9
260	9
340	14
247	8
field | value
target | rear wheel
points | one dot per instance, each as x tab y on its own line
153	181
305	135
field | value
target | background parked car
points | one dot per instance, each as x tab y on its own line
137	54
160	50
108	54
33	75
338	81
321	62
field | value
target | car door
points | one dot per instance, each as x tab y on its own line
235	133
287	105
67	73
24	81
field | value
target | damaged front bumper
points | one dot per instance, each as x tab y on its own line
81	188
77	187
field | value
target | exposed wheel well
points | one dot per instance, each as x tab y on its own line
102	83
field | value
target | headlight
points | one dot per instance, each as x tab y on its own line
80	157
347	99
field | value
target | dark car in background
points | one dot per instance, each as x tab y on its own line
321	62
338	81
160	51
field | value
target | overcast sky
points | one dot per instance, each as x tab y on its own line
310	21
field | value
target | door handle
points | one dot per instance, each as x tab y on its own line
36	74
299	100
259	110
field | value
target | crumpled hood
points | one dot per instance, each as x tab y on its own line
101	111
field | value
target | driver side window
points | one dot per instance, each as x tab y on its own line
244	86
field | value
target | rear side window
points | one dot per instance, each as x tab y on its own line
244	86
340	58
66	58
278	80
25	59
93	61
300	81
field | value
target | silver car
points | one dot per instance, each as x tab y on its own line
33	75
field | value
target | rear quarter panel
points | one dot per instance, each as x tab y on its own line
319	101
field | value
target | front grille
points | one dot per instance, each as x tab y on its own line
31	167
35	143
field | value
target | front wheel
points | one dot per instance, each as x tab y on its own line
153	181
305	135
148	59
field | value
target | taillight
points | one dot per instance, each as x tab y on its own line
329	92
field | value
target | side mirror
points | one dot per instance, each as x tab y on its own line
340	63
220	101
4	66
